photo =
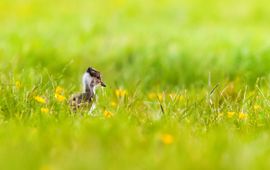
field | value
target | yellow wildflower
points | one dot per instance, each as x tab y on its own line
113	104
242	115
107	114
257	107
120	92
59	90
44	110
40	99
155	95
230	114
59	97
167	138
18	84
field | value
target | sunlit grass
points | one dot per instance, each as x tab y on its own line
187	84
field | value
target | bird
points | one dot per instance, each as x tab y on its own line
91	80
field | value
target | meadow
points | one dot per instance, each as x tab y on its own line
188	84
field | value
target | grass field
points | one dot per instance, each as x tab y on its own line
187	84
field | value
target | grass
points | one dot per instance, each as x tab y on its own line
188	84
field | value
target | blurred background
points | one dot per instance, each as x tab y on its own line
156	43
160	59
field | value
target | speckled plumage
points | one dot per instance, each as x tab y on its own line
91	79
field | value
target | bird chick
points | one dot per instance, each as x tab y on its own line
91	80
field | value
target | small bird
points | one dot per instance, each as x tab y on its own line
91	80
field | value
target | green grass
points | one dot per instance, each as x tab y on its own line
184	64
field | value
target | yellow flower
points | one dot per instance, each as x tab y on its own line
40	99
120	92
230	114
107	114
59	90
113	104
18	84
155	95
167	138
59	97
257	107
44	110
242	115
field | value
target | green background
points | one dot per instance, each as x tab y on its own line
164	47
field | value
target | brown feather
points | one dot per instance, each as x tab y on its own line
81	100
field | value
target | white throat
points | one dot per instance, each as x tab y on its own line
87	81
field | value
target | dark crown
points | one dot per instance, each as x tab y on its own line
93	72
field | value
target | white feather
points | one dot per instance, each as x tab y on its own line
86	79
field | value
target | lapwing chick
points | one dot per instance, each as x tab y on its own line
91	80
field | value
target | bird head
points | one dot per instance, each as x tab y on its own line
96	77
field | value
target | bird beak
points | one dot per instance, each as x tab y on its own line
103	84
